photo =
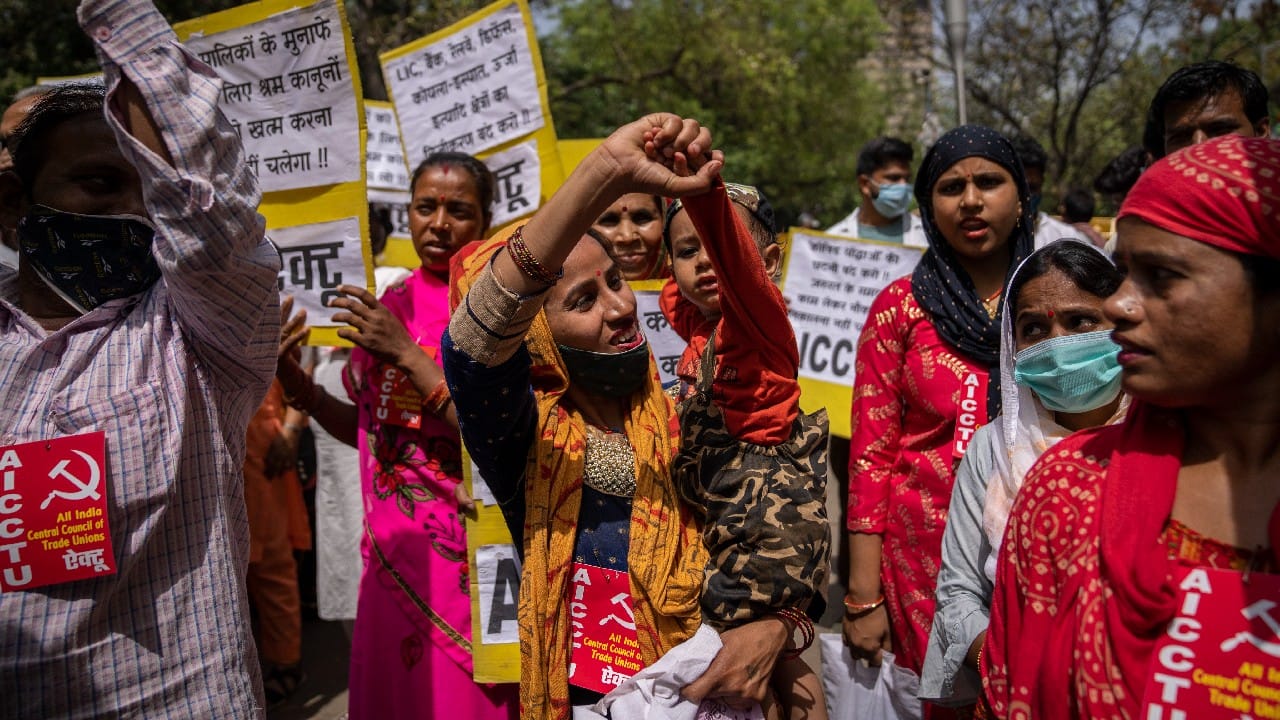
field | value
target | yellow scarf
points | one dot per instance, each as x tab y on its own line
666	557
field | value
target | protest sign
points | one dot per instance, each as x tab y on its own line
469	88
495	584
314	260
478	87
385	164
517	177
53	512
664	342
830	283
389	180
1219	657
292	91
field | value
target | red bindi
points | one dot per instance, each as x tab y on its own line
624	208
440	199
598	273
1050	313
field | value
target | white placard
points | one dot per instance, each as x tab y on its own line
385	166
480	489
470	91
498	577
289	95
664	342
315	259
517	175
830	285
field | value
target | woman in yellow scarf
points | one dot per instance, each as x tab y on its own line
559	404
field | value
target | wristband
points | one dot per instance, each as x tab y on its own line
856	608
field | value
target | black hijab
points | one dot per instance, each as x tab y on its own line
940	284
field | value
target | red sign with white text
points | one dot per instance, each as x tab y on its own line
604	650
1220	656
973	411
53	512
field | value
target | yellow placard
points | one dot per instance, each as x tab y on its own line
304	206
573	152
864	256
493	662
400	251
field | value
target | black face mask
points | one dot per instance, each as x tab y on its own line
89	259
607	374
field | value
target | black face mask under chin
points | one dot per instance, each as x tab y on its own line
607	374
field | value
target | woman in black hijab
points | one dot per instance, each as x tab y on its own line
926	381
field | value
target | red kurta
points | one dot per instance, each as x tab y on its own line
906	401
1054	650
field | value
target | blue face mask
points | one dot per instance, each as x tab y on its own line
1072	373
892	200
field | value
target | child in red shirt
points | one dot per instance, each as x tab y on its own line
749	461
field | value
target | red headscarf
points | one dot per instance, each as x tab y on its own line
1224	192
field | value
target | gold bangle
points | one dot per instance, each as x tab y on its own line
527	263
856	608
438	400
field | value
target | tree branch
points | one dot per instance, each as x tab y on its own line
595	81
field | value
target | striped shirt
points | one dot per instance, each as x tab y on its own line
172	377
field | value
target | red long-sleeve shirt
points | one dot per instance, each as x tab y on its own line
756	355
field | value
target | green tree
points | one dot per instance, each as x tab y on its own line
43	39
1050	69
781	83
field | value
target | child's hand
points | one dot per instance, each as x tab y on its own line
663	154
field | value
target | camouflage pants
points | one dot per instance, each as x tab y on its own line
764	513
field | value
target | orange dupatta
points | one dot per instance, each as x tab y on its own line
666	557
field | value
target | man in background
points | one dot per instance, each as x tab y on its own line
1205	100
884	184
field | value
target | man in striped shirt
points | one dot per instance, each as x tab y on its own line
168	352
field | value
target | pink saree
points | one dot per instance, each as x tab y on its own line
411	648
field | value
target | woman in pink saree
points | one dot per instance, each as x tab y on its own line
411	647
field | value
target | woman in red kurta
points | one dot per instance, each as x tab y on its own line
922	387
1110	520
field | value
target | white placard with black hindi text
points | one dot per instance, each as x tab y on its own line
664	342
517	176
288	93
830	285
315	259
385	165
470	91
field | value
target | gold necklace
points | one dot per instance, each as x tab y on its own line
610	463
992	304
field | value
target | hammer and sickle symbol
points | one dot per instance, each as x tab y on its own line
1260	610
85	489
